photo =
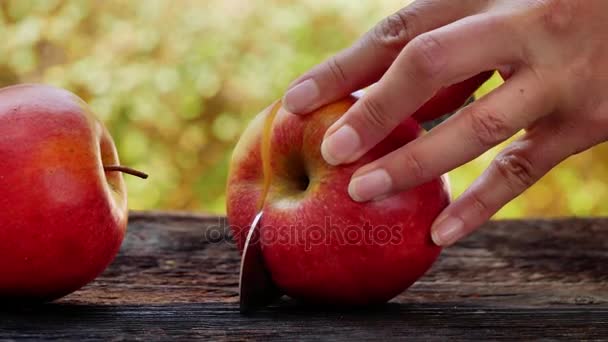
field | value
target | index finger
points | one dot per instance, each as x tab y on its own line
433	60
365	62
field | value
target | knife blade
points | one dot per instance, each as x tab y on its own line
256	288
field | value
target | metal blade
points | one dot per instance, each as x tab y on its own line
256	288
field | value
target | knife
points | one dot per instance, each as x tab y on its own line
256	288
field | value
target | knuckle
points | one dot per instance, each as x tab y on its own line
582	69
375	115
427	55
579	69
396	30
489	127
336	70
479	205
413	166
557	16
516	169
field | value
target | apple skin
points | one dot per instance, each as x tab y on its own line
63	218
318	244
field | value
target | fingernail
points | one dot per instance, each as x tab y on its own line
301	97
370	186
340	146
447	231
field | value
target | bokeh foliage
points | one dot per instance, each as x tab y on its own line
176	81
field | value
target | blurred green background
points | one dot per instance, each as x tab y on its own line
176	81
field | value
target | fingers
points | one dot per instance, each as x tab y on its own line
513	171
442	57
475	129
364	63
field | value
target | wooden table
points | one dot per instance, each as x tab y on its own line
511	280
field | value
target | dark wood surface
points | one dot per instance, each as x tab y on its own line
176	278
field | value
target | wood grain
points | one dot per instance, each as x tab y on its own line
176	277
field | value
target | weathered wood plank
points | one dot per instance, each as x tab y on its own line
430	321
176	276
170	258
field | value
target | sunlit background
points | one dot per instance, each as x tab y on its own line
176	81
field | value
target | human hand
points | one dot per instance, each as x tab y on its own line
553	55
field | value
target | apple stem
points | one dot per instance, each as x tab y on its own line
124	169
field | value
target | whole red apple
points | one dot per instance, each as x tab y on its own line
63	217
318	244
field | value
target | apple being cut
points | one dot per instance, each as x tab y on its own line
63	200
318	244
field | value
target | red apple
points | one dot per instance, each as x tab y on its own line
62	217
318	244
